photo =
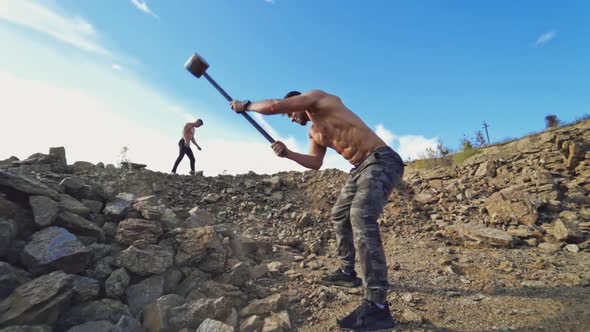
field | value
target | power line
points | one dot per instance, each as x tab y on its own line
485	126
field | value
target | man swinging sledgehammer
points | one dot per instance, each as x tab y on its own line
377	170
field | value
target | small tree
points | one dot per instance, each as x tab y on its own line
466	143
551	121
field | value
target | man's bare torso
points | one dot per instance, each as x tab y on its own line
188	132
336	127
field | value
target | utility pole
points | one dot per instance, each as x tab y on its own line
485	126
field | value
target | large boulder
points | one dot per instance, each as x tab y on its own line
44	210
79	225
140	295
8	232
85	289
192	314
55	248
27	185
105	309
39	301
156	317
145	259
481	236
117	283
264	306
131	230
118	209
504	209
193	244
211	325
69	203
94	326
10	278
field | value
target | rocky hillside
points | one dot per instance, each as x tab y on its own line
500	242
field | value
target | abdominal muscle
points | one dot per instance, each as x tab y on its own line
344	132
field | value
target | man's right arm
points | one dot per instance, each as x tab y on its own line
281	106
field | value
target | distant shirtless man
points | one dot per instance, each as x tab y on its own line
184	145
377	170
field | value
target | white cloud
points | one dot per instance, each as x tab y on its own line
269	1
545	38
116	67
71	30
409	147
142	5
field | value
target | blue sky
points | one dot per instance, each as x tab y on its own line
107	74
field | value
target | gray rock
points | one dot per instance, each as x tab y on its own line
44	210
118	209
70	204
10	278
484	236
72	185
140	295
39	301
79	225
549	247
264	306
169	219
8	232
251	324
148	207
172	278
20	214
567	231
503	209
85	289
59	155
213	290
95	326
193	244
55	248
94	206
214	262
27	328
105	309
109	229
210	325
572	248
156	316
212	198
128	324
144	259
199	219
116	283
277	322
192	314
102	269
27	185
131	230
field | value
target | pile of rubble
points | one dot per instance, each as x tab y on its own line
87	247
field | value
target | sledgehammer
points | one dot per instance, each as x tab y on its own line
197	66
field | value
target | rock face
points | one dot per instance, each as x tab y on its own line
144	259
55	248
131	230
37	302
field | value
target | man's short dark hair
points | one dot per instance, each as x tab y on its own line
199	120
291	94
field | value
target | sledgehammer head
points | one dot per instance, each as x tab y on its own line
196	65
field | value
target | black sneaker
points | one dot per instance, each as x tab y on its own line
367	317
339	278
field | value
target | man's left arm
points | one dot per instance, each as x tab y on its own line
195	143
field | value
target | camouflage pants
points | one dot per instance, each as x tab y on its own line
355	215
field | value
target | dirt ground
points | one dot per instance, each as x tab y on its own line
438	287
